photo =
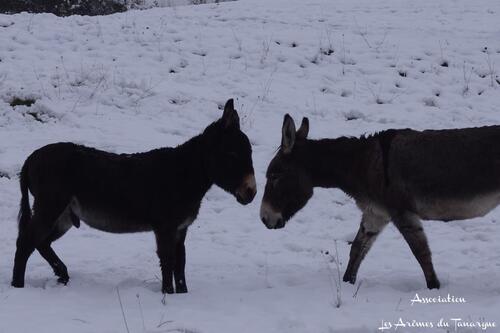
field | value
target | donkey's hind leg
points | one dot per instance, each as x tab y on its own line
371	226
33	233
411	228
57	265
64	223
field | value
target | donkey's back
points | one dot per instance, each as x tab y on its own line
446	174
110	192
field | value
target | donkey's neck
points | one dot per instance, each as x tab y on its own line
190	159
338	163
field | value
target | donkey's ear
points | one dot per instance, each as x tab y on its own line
303	130
287	134
230	117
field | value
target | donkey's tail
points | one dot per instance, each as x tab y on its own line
25	210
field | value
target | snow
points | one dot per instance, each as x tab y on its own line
146	79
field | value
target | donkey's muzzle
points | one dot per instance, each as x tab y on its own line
247	190
270	217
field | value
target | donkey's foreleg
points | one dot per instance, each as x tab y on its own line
371	225
411	228
166	246
180	262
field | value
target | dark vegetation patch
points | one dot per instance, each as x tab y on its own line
63	7
345	93
16	101
38	116
353	115
328	51
37	113
4	175
178	101
6	24
315	60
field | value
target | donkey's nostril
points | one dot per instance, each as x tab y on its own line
250	192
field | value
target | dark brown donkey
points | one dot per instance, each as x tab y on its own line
402	176
160	190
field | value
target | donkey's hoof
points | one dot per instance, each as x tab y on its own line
433	284
63	280
17	284
168	290
349	278
181	289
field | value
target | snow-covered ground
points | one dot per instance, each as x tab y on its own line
145	79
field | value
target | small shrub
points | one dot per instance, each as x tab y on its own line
16	101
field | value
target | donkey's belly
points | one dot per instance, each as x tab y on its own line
457	209
107	221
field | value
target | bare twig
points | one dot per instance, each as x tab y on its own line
121	306
343	60
337	282
42	87
266	46
399	303
467	78
162	322
30	24
357	289
491	69
238	41
266	273
362	33
142	313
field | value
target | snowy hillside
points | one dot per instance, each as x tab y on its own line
146	79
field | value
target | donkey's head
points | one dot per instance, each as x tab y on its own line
288	186
230	156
